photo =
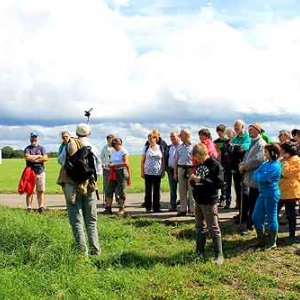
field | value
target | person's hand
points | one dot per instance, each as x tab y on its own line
163	174
195	178
143	174
175	176
242	169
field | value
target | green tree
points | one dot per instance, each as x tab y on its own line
7	152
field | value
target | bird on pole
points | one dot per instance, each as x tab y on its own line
87	113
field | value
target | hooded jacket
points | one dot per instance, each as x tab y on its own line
212	175
290	181
253	158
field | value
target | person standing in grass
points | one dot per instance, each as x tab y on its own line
182	171
170	165
206	139
81	202
36	156
206	181
152	170
62	151
119	177
222	142
105	159
267	179
253	158
240	144
284	136
290	186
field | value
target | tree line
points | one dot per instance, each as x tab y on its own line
9	152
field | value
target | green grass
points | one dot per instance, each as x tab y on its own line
141	259
11	170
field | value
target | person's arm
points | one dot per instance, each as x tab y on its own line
216	179
35	158
246	143
176	165
142	165
163	166
102	157
267	175
254	162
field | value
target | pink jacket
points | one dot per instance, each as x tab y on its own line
211	147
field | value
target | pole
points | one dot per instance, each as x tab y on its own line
242	199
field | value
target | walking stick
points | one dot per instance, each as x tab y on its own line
242	199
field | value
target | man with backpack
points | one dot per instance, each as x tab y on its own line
78	178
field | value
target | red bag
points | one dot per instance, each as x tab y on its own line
27	182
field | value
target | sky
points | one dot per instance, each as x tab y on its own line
165	64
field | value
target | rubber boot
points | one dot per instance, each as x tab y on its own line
217	242
200	242
260	243
272	240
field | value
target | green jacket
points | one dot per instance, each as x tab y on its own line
266	138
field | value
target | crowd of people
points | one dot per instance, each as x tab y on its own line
265	177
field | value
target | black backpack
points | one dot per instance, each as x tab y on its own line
81	165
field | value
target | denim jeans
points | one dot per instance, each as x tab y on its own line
266	205
83	213
173	189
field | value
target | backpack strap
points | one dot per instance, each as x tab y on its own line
74	145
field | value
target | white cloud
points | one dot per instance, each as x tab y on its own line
60	57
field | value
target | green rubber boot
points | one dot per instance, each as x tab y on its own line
261	243
272	240
217	242
200	243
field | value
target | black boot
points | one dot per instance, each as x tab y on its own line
217	242
107	211
200	242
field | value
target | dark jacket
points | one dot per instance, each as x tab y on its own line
161	143
212	179
223	145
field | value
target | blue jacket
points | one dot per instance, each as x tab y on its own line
267	178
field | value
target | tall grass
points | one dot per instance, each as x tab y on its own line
141	259
11	170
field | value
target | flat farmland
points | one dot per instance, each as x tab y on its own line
11	170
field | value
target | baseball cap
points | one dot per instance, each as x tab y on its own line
34	134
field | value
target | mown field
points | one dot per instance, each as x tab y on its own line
141	259
11	170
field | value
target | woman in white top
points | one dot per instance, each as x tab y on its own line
119	176
152	170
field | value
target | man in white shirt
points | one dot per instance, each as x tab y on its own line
170	165
105	159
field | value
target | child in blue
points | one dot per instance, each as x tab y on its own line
267	178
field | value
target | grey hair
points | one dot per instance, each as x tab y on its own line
65	132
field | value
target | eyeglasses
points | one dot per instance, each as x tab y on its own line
65	136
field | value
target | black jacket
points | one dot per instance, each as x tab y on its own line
212	179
